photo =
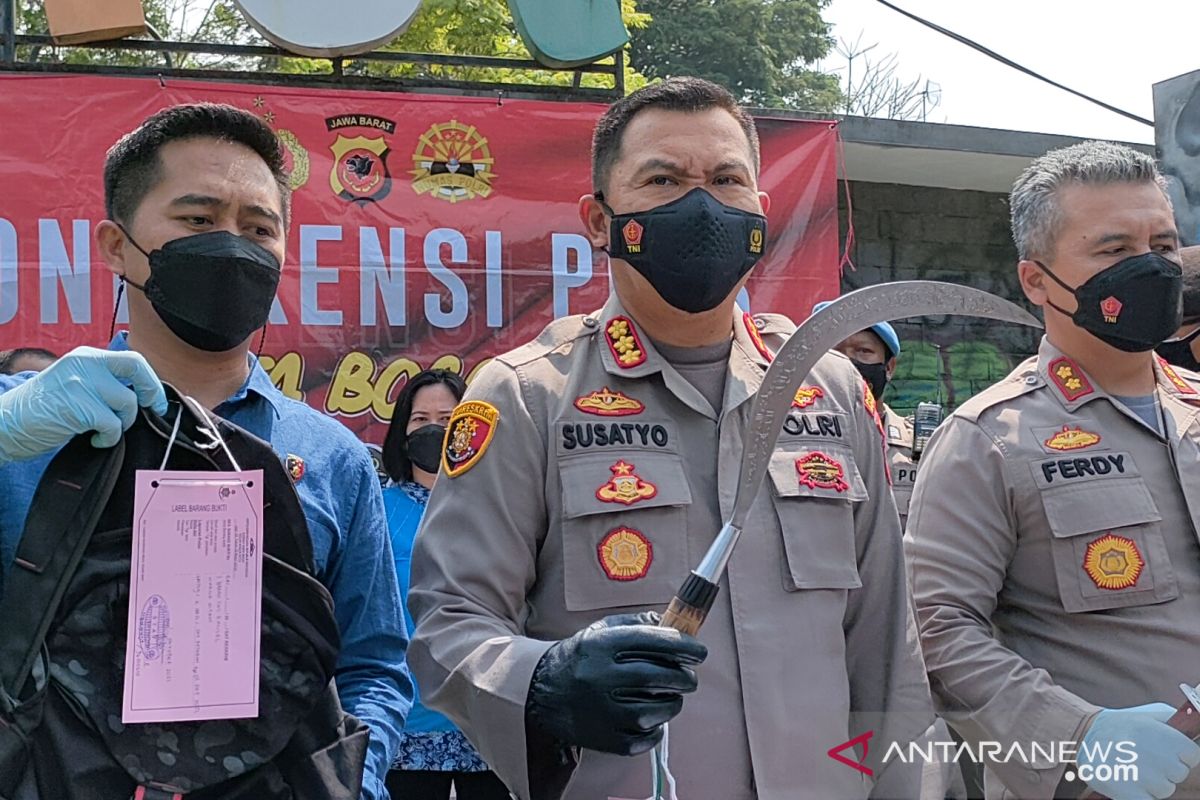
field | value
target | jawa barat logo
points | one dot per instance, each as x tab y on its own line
453	162
360	172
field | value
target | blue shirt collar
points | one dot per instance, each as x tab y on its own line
258	382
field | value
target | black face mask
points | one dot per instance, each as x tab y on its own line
1134	305
425	447
212	289
693	250
1179	351
875	376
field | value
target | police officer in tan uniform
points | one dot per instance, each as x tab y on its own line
587	472
1053	529
874	352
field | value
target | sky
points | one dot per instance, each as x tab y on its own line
1112	51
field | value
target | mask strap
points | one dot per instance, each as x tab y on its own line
140	287
132	241
599	196
112	326
262	339
1060	282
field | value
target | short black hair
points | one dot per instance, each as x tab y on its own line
674	94
10	357
132	166
395	444
1189	258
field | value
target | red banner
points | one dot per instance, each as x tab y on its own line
426	230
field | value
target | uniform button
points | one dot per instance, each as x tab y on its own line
760	323
1031	380
590	322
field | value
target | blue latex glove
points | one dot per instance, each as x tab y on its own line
85	390
1164	756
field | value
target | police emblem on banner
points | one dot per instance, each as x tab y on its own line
471	428
360	171
453	162
1113	562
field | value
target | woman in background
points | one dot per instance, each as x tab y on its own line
433	753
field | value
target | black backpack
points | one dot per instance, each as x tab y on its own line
62	643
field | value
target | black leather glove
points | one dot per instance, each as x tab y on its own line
612	685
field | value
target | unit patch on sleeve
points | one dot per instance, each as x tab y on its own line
818	471
624	343
625	554
471	428
1069	380
625	486
607	403
807	396
1113	562
1072	439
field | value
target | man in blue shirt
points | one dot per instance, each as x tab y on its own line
197	205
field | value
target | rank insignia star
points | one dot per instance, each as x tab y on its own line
1070	381
623	341
625	486
1179	383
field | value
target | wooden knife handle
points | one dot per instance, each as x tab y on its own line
691	605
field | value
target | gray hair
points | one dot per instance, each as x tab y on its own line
1036	215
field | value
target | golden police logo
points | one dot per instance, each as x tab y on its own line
453	162
1110	307
625	554
1072	439
818	471
757	237
807	396
360	171
1113	562
471	428
625	486
295	159
607	403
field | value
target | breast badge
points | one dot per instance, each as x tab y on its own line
1072	439
625	486
471	428
607	403
1113	562
807	396
295	467
818	471
625	554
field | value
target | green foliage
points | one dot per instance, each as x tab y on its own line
453	27
761	50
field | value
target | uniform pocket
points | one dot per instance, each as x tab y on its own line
624	529
815	493
1108	545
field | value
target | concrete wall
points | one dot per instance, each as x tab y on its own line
914	232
